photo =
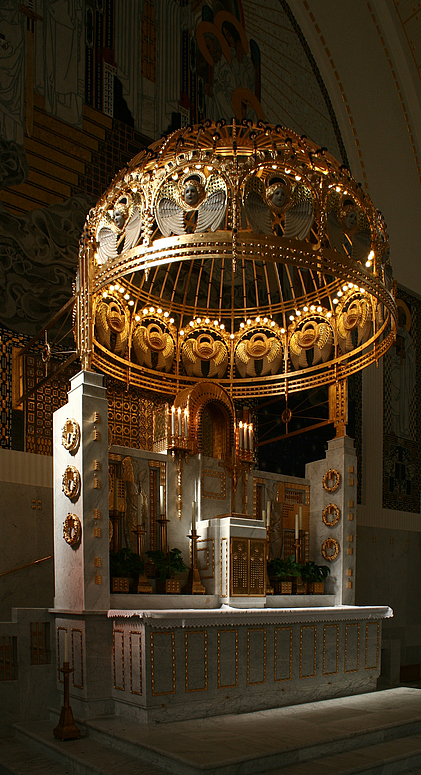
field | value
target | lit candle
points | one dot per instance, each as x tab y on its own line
193	515
240	435
186	423
179	421
66	646
296	527
268	504
173	421
264	516
161	499
300	512
251	437
246	436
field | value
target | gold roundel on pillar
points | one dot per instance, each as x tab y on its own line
334	512
72	529
330	549
331	480
70	435
71	483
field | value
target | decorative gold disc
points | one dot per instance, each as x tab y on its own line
332	510
330	549
331	480
71	482
72	529
70	435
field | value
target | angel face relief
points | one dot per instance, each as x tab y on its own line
196	204
275	205
119	229
191	194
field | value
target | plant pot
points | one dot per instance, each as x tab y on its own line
299	586
120	584
316	587
168	587
282	587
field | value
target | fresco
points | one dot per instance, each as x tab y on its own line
402	410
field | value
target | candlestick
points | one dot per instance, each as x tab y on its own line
66	728
173	421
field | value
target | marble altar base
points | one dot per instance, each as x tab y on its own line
181	664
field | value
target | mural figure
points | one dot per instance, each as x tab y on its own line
402	375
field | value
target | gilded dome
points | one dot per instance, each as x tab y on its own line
236	252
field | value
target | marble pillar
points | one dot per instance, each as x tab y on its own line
333	506
80	476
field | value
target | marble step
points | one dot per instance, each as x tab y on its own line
391	758
36	752
40	753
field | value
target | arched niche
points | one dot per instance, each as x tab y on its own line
211	414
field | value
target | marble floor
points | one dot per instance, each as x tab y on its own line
377	733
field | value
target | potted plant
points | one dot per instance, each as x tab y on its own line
315	575
125	567
167	565
281	573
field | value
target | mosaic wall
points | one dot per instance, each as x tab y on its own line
130	417
402	410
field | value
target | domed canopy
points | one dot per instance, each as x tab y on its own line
238	253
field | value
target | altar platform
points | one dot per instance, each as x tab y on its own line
371	733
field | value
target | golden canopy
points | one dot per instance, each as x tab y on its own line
240	253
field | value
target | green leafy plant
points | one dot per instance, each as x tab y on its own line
313	573
284	569
167	563
125	564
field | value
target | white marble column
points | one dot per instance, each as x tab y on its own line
340	458
81	570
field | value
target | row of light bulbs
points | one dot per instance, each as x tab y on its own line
247	323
